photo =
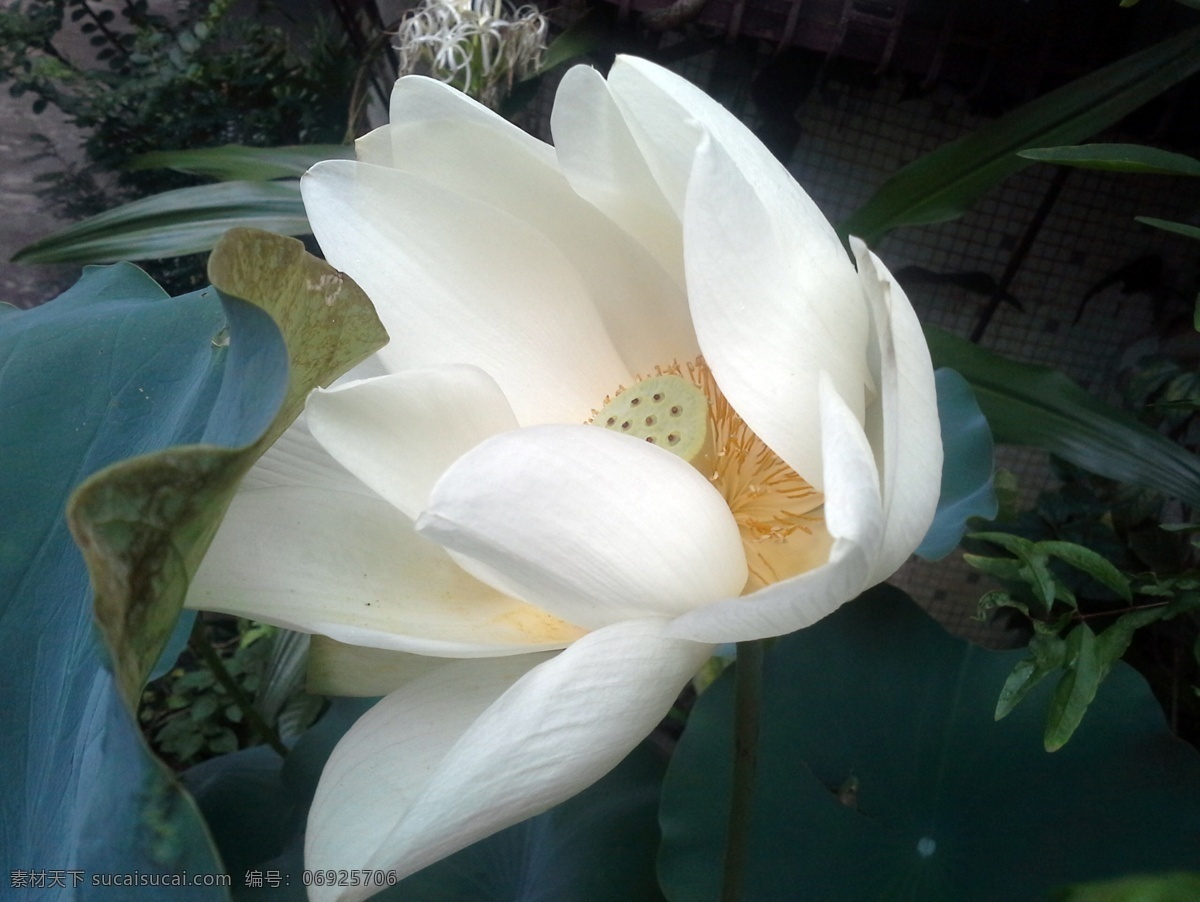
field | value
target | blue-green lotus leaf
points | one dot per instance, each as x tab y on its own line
143	411
110	369
882	775
968	467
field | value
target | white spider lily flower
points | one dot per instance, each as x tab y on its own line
477	46
637	401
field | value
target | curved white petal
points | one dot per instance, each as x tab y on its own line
455	280
601	160
381	765
335	668
670	117
853	516
902	423
479	756
774	305
430	116
424	111
297	459
375	147
449	140
667	132
399	433
350	566
590	525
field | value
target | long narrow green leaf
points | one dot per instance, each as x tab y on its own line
1034	568
185	221
1115	639
1162	887
1076	690
1098	567
1135	158
235	162
1035	405
1046	655
1004	568
1179	228
944	184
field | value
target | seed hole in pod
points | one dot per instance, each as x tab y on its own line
668	411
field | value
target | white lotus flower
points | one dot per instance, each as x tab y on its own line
479	503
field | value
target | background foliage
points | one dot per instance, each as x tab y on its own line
880	749
208	79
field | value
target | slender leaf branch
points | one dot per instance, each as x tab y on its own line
1017	259
109	35
203	647
1125	610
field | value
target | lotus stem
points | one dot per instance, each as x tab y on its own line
747	708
